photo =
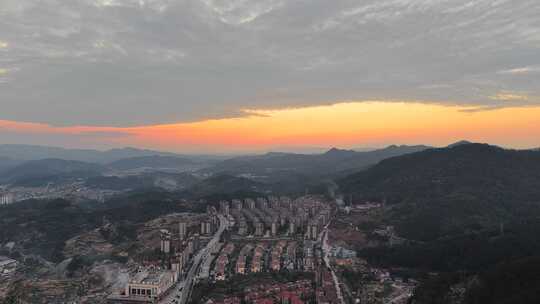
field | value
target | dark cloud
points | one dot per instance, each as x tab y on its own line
132	62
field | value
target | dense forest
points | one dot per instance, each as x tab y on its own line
452	190
471	214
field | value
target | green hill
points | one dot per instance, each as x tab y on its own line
452	201
437	191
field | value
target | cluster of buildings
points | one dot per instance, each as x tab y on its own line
380	286
252	258
275	256
363	208
223	261
326	292
342	253
265	256
180	248
6	198
267	235
152	280
7	266
274	234
309	259
274	217
241	261
76	191
257	260
298	292
211	224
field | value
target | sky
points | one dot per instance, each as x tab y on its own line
236	75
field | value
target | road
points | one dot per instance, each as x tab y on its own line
401	296
202	255
204	272
323	238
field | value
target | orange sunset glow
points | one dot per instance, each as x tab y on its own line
348	124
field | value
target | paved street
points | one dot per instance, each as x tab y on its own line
326	250
189	281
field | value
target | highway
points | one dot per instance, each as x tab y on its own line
182	296
204	272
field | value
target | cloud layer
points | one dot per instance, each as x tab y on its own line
136	62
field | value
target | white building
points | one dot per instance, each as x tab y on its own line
7	266
342	253
151	284
6	198
165	241
182	230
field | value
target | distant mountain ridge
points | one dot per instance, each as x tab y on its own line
153	161
31	152
39	172
331	162
459	143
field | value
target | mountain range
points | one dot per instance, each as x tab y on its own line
40	172
467	214
156	162
32	152
28	165
334	161
38	165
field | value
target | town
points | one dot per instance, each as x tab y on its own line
274	249
244	236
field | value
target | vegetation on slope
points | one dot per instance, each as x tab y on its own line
440	191
473	212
